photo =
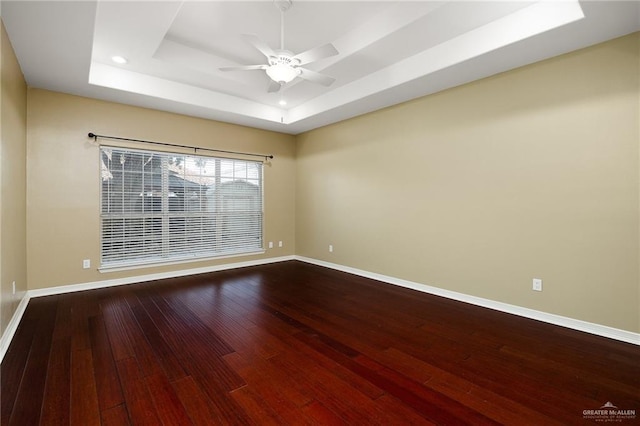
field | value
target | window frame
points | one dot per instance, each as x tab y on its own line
216	242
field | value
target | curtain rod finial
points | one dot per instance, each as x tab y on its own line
93	135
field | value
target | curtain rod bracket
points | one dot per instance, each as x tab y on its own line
195	148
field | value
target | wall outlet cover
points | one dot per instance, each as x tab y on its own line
537	284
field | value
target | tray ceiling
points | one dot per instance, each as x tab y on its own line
389	51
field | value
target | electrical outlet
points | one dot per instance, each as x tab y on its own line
270	244
330	248
279	243
13	287
537	284
86	264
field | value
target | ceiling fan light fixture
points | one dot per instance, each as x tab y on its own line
283	65
281	73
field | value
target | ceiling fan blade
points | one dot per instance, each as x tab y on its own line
316	54
316	77
259	44
274	86
244	68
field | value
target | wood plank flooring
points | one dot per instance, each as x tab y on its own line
292	343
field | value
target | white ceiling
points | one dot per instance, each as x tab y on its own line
389	51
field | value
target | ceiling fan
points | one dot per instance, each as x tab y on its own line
283	65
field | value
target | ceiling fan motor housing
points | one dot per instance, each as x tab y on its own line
284	57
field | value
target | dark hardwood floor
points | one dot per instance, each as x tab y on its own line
292	343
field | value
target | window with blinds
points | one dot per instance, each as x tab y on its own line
160	207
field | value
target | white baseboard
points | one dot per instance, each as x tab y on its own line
12	327
592	328
152	277
8	334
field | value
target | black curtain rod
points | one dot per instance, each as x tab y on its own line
195	148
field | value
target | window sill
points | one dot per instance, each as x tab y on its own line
129	267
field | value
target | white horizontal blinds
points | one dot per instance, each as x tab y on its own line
161	206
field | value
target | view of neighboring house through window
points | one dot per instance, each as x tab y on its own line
160	207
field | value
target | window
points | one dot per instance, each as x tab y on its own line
158	207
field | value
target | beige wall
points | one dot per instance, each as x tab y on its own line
479	189
13	125
63	180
